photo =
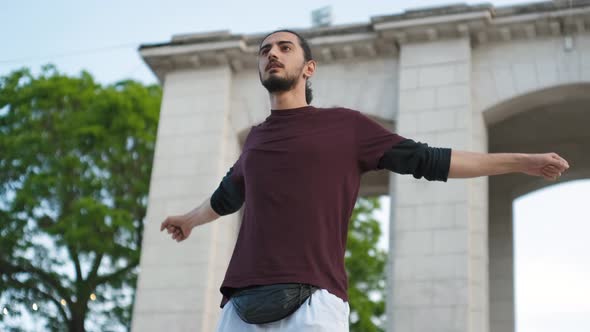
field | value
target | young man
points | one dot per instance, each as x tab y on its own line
298	175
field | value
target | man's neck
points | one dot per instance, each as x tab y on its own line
286	100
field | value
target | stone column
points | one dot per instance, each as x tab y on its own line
437	273
502	310
178	285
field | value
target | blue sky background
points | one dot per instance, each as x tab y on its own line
102	37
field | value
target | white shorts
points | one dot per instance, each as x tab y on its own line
326	313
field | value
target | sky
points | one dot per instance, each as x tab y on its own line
102	37
552	254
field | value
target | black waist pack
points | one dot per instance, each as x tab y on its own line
269	303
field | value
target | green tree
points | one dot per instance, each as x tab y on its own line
75	164
365	265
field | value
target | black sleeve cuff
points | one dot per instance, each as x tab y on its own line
228	197
418	159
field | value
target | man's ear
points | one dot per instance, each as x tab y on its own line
309	69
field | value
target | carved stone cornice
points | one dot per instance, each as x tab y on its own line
382	36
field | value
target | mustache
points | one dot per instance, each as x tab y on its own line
272	63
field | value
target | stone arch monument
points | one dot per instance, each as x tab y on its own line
478	78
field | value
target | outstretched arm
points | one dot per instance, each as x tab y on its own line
228	198
180	226
472	164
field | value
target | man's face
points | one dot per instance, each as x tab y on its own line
280	62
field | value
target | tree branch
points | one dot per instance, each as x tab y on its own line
45	277
76	259
103	278
45	295
95	266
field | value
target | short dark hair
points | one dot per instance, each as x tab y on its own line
306	56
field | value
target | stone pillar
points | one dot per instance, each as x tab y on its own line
437	273
502	310
178	285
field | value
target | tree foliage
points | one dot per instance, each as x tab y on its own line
365	265
75	164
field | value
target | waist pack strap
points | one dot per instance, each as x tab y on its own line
310	288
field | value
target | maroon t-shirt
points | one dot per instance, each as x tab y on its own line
299	172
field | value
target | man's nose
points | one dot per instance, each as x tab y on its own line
272	54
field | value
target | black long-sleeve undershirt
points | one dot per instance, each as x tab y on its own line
228	198
418	159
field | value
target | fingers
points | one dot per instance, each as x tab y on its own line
551	172
549	175
168	222
554	167
164	225
176	232
554	170
172	225
560	162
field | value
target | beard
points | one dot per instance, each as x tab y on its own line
276	83
279	84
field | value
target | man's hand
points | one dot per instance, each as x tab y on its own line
548	165
179	226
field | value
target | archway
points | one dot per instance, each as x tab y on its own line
553	119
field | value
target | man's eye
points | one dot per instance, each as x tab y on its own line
286	48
